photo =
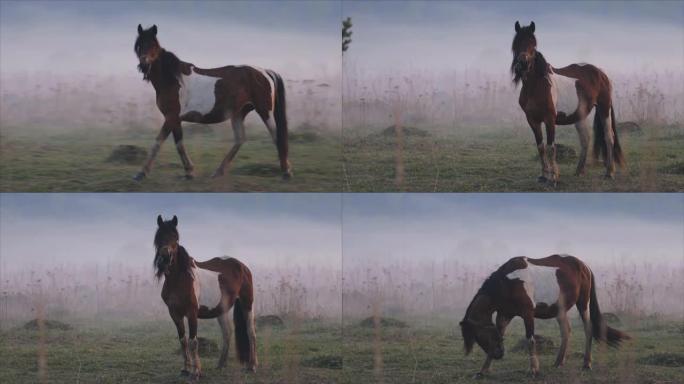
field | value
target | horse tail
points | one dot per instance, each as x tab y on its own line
618	156
601	331
599	134
280	114
241	337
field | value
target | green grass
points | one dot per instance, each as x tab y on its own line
501	161
432	351
147	352
426	350
77	161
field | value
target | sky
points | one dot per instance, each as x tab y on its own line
264	230
491	228
293	37
308	229
621	36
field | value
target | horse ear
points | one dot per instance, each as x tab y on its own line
532	27
174	221
517	26
154	29
140	30
160	222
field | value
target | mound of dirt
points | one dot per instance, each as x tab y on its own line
543	345
269	321
663	360
127	154
407	131
324	361
611	318
673	169
205	347
384	322
49	324
629	127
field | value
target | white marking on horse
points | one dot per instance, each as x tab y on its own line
197	93
196	286
540	283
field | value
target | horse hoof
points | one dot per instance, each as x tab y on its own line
217	173
139	176
478	376
542	179
586	367
184	373
609	176
189	176
287	176
250	369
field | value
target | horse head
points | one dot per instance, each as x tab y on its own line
524	50
147	48
166	245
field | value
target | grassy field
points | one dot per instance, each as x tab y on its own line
78	161
432	351
418	351
501	161
148	352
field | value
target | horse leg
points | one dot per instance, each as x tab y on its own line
180	327
193	346
565	330
551	148
584	135
583	308
251	333
539	139
501	324
185	159
240	138
531	348
225	322
166	129
610	142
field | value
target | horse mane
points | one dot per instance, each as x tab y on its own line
490	287
170	68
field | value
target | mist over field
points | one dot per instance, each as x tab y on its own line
83	255
444	66
412	254
71	65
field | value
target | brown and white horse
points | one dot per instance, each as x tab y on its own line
536	288
208	96
538	97
181	294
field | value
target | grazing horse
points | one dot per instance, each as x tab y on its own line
536	288
538	97
181	294
208	96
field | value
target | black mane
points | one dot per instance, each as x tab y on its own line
168	64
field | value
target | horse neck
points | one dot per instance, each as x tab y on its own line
481	308
182	259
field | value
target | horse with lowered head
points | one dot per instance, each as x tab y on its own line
181	294
209	96
536	288
538	98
